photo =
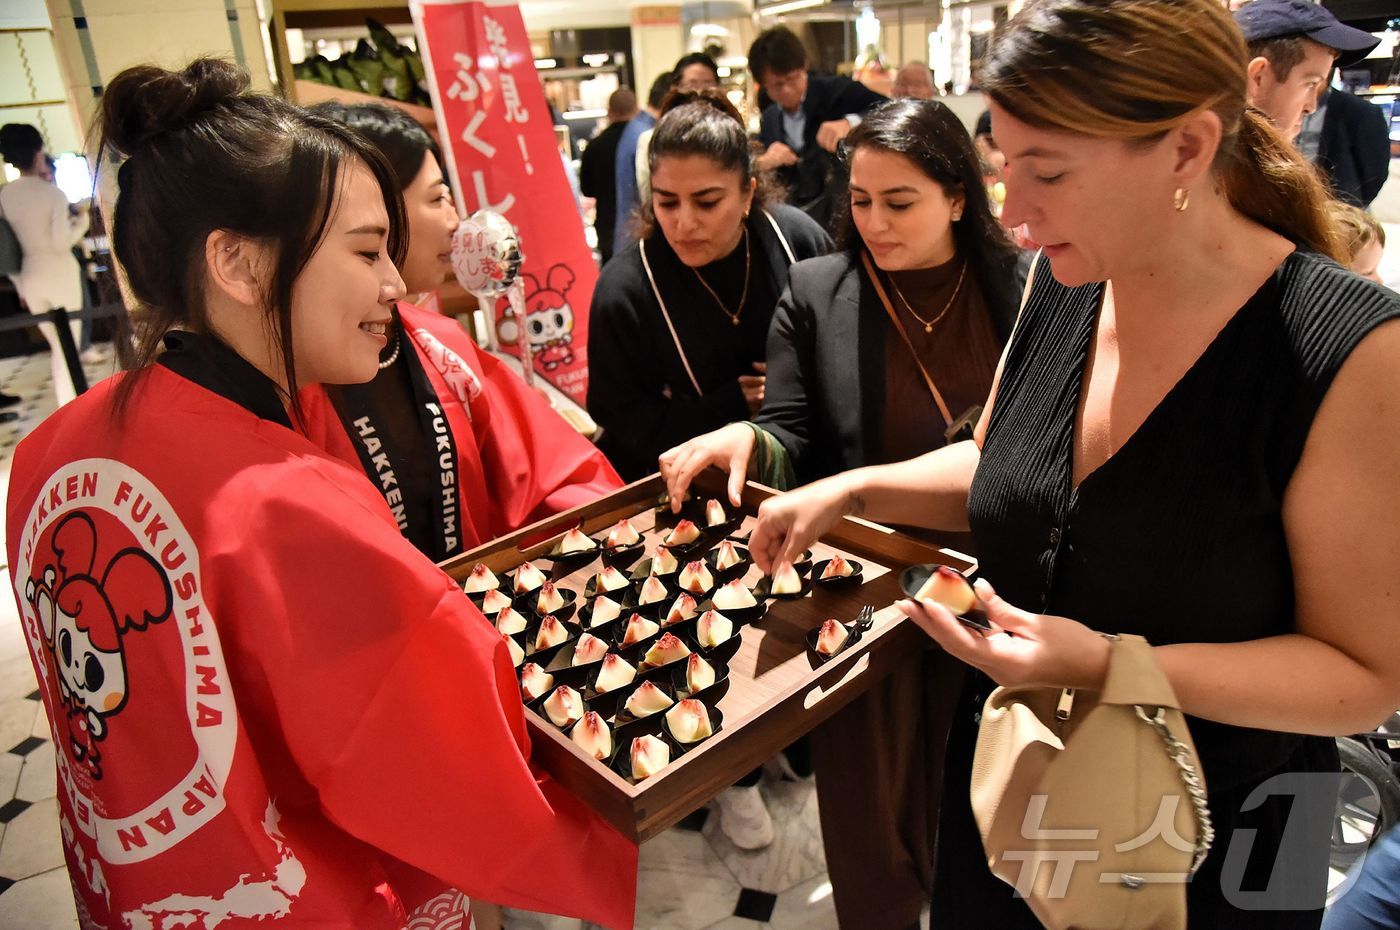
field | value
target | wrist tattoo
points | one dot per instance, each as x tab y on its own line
855	504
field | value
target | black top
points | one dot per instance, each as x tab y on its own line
1179	536
212	365
826	394
639	391
597	179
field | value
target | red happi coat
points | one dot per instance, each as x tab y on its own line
266	704
518	461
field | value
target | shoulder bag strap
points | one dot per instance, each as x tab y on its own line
666	314
782	240
898	325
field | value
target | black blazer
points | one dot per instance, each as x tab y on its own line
638	389
824	399
1354	149
829	97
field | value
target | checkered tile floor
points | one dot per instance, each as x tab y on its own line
692	877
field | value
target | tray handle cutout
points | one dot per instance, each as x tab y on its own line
818	694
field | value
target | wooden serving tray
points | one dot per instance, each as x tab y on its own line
777	690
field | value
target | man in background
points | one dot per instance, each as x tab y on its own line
914	80
625	170
597	168
1293	45
1349	141
809	116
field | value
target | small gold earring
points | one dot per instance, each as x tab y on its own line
1181	199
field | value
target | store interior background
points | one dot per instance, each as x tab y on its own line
56	56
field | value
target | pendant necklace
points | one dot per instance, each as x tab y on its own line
743	297
929	324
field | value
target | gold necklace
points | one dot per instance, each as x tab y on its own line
743	297
929	324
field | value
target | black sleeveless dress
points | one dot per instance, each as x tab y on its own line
1179	538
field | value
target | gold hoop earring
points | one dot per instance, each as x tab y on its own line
1181	199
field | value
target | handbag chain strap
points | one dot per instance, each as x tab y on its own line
1179	753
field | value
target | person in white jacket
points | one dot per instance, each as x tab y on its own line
47	230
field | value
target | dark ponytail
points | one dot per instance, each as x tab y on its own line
199	154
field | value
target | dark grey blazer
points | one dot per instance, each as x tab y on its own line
823	401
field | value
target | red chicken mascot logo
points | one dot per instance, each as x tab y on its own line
86	619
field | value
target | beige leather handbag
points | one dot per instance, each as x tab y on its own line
1092	805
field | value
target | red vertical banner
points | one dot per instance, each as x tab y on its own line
498	138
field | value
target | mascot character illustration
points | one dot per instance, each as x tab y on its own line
549	319
86	618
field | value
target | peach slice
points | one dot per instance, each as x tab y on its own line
713	628
647	700
666	649
592	735
837	568
551	633
948	587
615	673
682	609
689	721
610	579
564	706
683	534
509	622
575	542
699	674
534	681
481	579
639	628
623	535
734	596
649	756
589	648
833	634
528	578
726	556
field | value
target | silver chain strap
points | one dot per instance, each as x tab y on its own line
1179	753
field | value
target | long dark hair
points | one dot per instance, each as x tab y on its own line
929	134
399	137
704	123
202	154
1135	69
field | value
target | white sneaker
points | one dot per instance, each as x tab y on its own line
779	769
743	817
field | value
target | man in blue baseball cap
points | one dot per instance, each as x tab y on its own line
1293	45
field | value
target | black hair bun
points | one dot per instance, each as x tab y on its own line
144	102
19	143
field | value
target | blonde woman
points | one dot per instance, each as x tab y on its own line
1184	441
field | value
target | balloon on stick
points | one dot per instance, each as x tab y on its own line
486	259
